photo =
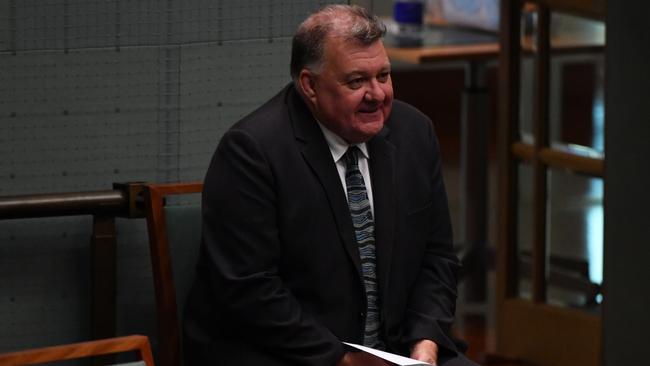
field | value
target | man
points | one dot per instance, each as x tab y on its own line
325	218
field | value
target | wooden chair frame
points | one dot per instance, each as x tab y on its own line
138	343
169	348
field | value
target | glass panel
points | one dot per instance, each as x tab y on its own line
529	19
575	234
527	86
577	87
525	229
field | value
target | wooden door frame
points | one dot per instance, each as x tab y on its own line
532	330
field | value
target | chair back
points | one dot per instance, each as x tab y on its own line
133	343
174	240
184	236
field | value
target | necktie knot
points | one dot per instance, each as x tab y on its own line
351	157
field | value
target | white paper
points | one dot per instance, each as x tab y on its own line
390	357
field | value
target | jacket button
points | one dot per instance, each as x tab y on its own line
362	314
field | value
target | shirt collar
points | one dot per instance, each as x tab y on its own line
338	146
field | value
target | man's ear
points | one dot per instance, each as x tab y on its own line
307	83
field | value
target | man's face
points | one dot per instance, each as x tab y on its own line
352	92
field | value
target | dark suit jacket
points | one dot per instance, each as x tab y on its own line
279	278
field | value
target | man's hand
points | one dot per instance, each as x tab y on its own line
425	350
361	359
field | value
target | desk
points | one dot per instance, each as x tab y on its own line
475	49
569	34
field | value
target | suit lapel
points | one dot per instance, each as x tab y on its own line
317	154
382	172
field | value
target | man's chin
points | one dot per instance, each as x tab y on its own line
368	131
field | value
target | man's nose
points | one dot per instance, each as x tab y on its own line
374	93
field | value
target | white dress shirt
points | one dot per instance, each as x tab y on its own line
338	147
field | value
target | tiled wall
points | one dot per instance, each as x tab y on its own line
100	91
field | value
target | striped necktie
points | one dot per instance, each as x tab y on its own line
364	230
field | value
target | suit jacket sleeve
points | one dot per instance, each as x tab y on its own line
242	246
432	302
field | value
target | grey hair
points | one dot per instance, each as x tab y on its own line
354	23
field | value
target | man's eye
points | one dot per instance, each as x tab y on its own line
383	77
355	83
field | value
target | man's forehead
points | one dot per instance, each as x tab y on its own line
342	52
343	46
366	68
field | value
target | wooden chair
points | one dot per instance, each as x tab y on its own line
174	239
132	343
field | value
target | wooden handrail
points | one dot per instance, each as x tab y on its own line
559	158
63	204
577	163
104	206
